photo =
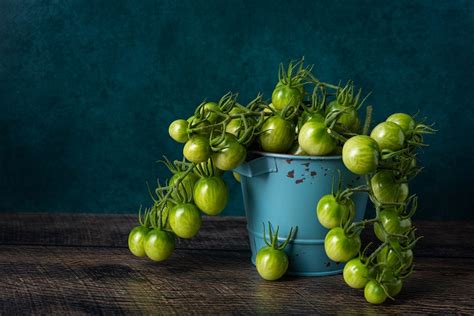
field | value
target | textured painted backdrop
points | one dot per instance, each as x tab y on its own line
88	88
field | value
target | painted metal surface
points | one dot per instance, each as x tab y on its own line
285	190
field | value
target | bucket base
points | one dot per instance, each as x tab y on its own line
308	274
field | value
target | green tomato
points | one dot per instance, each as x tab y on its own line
392	283
349	119
135	240
208	165
237	109
236	176
210	195
269	109
315	139
185	220
374	292
311	116
200	124
360	154
187	184
159	244
394	287
234	127
403	120
231	156
392	223
339	247
389	136
209	107
356	274
387	189
165	213
197	149
271	263
278	135
389	258
284	95
178	131
332	213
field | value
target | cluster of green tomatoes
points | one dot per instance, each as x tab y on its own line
387	159
305	117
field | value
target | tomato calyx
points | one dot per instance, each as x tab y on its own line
346	96
315	109
241	122
215	112
391	224
144	219
206	170
415	135
286	76
391	280
273	242
175	166
344	197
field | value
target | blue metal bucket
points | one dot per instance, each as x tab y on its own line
285	189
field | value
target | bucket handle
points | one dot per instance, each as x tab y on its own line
257	167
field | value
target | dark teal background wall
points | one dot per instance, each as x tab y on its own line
88	88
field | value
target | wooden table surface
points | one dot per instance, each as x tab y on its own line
80	264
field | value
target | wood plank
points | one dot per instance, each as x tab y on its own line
93	230
442	239
63	280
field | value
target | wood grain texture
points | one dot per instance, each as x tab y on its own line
110	231
91	280
441	239
78	264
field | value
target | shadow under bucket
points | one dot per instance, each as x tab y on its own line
285	189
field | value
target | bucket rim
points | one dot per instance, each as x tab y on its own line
294	157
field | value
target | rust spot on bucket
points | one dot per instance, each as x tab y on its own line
305	164
299	181
288	161
291	174
313	173
328	264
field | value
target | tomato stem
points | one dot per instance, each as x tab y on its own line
376	252
336	135
368	120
